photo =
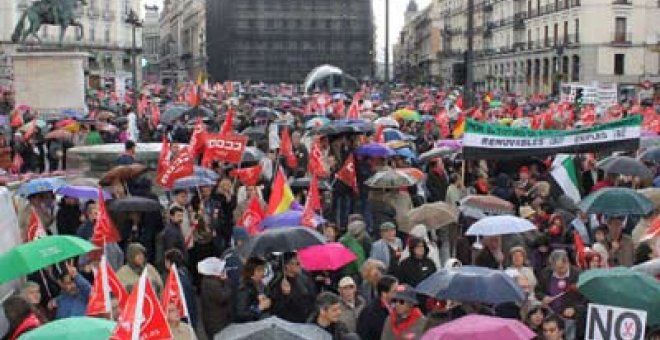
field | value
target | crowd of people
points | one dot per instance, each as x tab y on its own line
374	296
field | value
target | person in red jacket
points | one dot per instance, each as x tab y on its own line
21	317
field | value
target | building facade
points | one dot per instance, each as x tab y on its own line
151	44
282	40
532	46
183	40
106	37
416	51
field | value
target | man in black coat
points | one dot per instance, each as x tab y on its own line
437	182
292	292
371	320
172	237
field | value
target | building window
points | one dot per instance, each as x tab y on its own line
546	41
92	33
270	23
566	32
577	30
556	35
107	35
619	62
620	29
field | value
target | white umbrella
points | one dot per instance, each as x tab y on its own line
387	122
500	225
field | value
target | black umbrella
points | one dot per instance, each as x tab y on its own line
255	133
283	239
651	155
252	155
134	204
627	166
303	183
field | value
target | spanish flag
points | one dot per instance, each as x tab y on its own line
459	128
281	196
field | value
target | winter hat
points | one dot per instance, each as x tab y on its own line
356	228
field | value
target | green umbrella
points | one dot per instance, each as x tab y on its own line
32	256
616	201
623	287
76	328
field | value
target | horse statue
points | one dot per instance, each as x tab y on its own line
48	12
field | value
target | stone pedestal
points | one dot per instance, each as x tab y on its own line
50	81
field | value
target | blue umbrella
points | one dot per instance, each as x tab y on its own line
40	185
290	218
394	134
82	192
192	182
472	284
206	173
73	114
406	153
374	150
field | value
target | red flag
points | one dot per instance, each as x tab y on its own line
580	259
253	216
142	318
227	125
316	166
307	218
104	229
192	97
164	158
379	135
173	293
248	176
313	195
155	114
227	148
35	229
31	129
16	119
181	166
347	173
198	138
105	283
286	149
354	109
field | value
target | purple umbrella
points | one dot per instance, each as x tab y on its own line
374	150
453	144
290	218
480	327
82	192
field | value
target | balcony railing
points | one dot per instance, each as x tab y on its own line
622	2
551	8
622	38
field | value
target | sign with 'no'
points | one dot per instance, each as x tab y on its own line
614	323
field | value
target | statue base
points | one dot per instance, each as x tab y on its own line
50	81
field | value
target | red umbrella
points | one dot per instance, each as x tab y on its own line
65	122
59	134
329	256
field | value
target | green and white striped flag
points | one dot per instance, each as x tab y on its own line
564	172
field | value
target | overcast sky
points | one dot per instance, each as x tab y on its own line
397	8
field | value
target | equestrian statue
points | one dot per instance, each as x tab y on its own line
48	12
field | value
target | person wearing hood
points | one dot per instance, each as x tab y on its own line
234	259
215	295
352	240
129	274
405	320
420	231
418	265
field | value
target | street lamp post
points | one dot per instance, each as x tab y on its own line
135	22
386	93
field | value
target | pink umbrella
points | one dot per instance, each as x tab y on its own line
480	327
329	256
